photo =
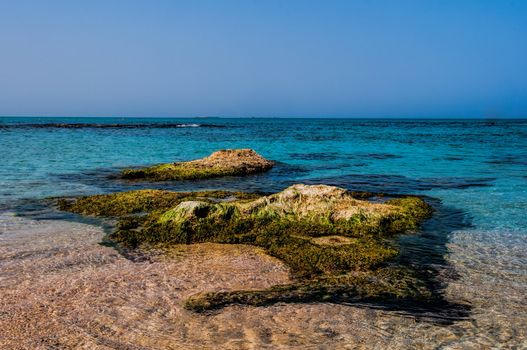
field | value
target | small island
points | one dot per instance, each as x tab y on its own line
229	162
336	243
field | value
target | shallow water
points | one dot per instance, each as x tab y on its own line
474	172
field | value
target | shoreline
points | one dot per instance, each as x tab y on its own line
71	291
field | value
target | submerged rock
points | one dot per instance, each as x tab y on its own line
335	245
230	162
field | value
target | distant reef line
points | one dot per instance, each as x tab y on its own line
108	126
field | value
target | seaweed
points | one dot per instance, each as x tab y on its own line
141	201
335	245
221	163
394	284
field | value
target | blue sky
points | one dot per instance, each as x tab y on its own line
264	58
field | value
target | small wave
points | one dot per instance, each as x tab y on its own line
511	159
335	155
189	125
107	126
400	184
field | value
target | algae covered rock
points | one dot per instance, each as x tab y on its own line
389	283
336	245
230	162
286	223
142	201
318	209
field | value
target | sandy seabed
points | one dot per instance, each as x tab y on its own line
61	289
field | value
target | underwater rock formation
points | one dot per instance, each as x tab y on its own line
230	162
335	242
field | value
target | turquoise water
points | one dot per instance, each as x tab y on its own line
475	165
442	155
475	168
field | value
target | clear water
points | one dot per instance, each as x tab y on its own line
436	158
476	168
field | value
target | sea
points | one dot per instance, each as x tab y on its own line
474	171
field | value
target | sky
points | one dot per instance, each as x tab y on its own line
264	58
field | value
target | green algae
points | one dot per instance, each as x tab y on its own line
288	225
393	284
173	171
289	241
141	201
218	164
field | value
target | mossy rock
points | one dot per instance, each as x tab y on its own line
142	201
392	284
295	226
231	162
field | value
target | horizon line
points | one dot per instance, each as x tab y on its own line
270	117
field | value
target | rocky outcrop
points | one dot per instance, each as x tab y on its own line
334	243
230	162
122	204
